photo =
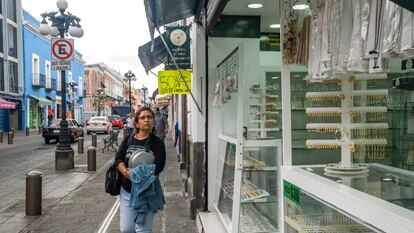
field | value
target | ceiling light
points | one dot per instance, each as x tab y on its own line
275	26
255	5
300	6
275	77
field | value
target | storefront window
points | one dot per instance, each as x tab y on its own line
12	35
13	77
11	10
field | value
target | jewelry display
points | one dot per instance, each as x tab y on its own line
252	221
263	108
325	223
357	113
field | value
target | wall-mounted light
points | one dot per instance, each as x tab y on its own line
255	5
300	5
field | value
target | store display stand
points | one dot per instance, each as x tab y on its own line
348	133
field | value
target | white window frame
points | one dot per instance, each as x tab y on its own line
48	75
35	69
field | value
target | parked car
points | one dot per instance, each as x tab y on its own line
98	124
52	131
115	120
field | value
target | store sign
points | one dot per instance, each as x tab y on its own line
170	82
178	41
60	65
291	192
270	42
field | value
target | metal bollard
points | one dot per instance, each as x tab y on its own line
27	131
80	133
33	193
91	158
80	145
10	138
125	131
1	136
94	142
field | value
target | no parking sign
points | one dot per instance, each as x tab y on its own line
62	49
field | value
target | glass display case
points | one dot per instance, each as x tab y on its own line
315	200
249	155
248	193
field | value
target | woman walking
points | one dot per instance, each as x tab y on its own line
142	136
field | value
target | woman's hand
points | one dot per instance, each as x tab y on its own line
126	174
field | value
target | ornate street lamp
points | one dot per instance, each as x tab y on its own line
62	24
128	77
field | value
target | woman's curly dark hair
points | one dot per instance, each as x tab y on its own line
138	114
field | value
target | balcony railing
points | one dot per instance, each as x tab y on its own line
48	84
36	79
54	84
42	80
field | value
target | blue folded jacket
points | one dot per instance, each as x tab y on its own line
146	191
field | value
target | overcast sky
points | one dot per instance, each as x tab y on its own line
113	32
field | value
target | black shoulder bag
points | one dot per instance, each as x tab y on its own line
113	178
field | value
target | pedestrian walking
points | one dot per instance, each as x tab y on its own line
130	123
161	124
137	213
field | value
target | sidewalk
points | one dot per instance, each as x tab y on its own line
85	208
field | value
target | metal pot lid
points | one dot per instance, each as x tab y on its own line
141	157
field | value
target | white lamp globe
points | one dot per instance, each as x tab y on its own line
54	31
62	4
81	32
44	29
73	31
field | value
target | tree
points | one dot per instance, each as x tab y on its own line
98	103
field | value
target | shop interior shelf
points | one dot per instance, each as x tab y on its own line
266	130
325	223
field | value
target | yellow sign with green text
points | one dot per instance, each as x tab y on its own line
170	82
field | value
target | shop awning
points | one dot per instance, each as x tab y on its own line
151	59
161	12
4	104
42	101
407	4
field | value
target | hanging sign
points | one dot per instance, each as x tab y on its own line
291	192
170	82
62	49
178	41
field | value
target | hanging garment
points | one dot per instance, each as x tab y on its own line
335	33
302	55
374	28
391	30
315	43
407	33
345	35
355	61
326	65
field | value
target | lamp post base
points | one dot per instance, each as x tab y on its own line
64	160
